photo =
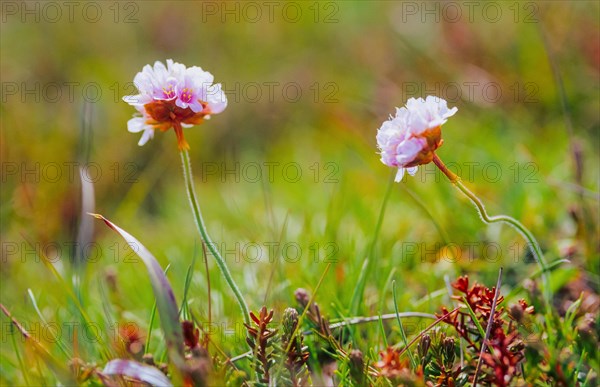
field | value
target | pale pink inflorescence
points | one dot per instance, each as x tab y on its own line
173	96
411	137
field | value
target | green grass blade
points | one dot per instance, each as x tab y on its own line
18	355
369	262
64	285
183	310
61	372
410	355
61	345
152	317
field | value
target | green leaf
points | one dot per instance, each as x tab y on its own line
165	299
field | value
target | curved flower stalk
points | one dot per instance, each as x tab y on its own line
178	97
411	138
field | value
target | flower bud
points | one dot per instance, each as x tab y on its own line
289	321
357	366
448	352
302	297
423	346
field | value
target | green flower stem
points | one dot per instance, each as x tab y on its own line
532	242
189	186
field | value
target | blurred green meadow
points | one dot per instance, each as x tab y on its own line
288	176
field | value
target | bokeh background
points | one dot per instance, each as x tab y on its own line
308	84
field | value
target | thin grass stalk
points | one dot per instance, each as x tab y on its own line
368	265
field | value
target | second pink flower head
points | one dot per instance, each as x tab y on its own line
411	137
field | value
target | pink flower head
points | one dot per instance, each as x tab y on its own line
173	96
410	138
